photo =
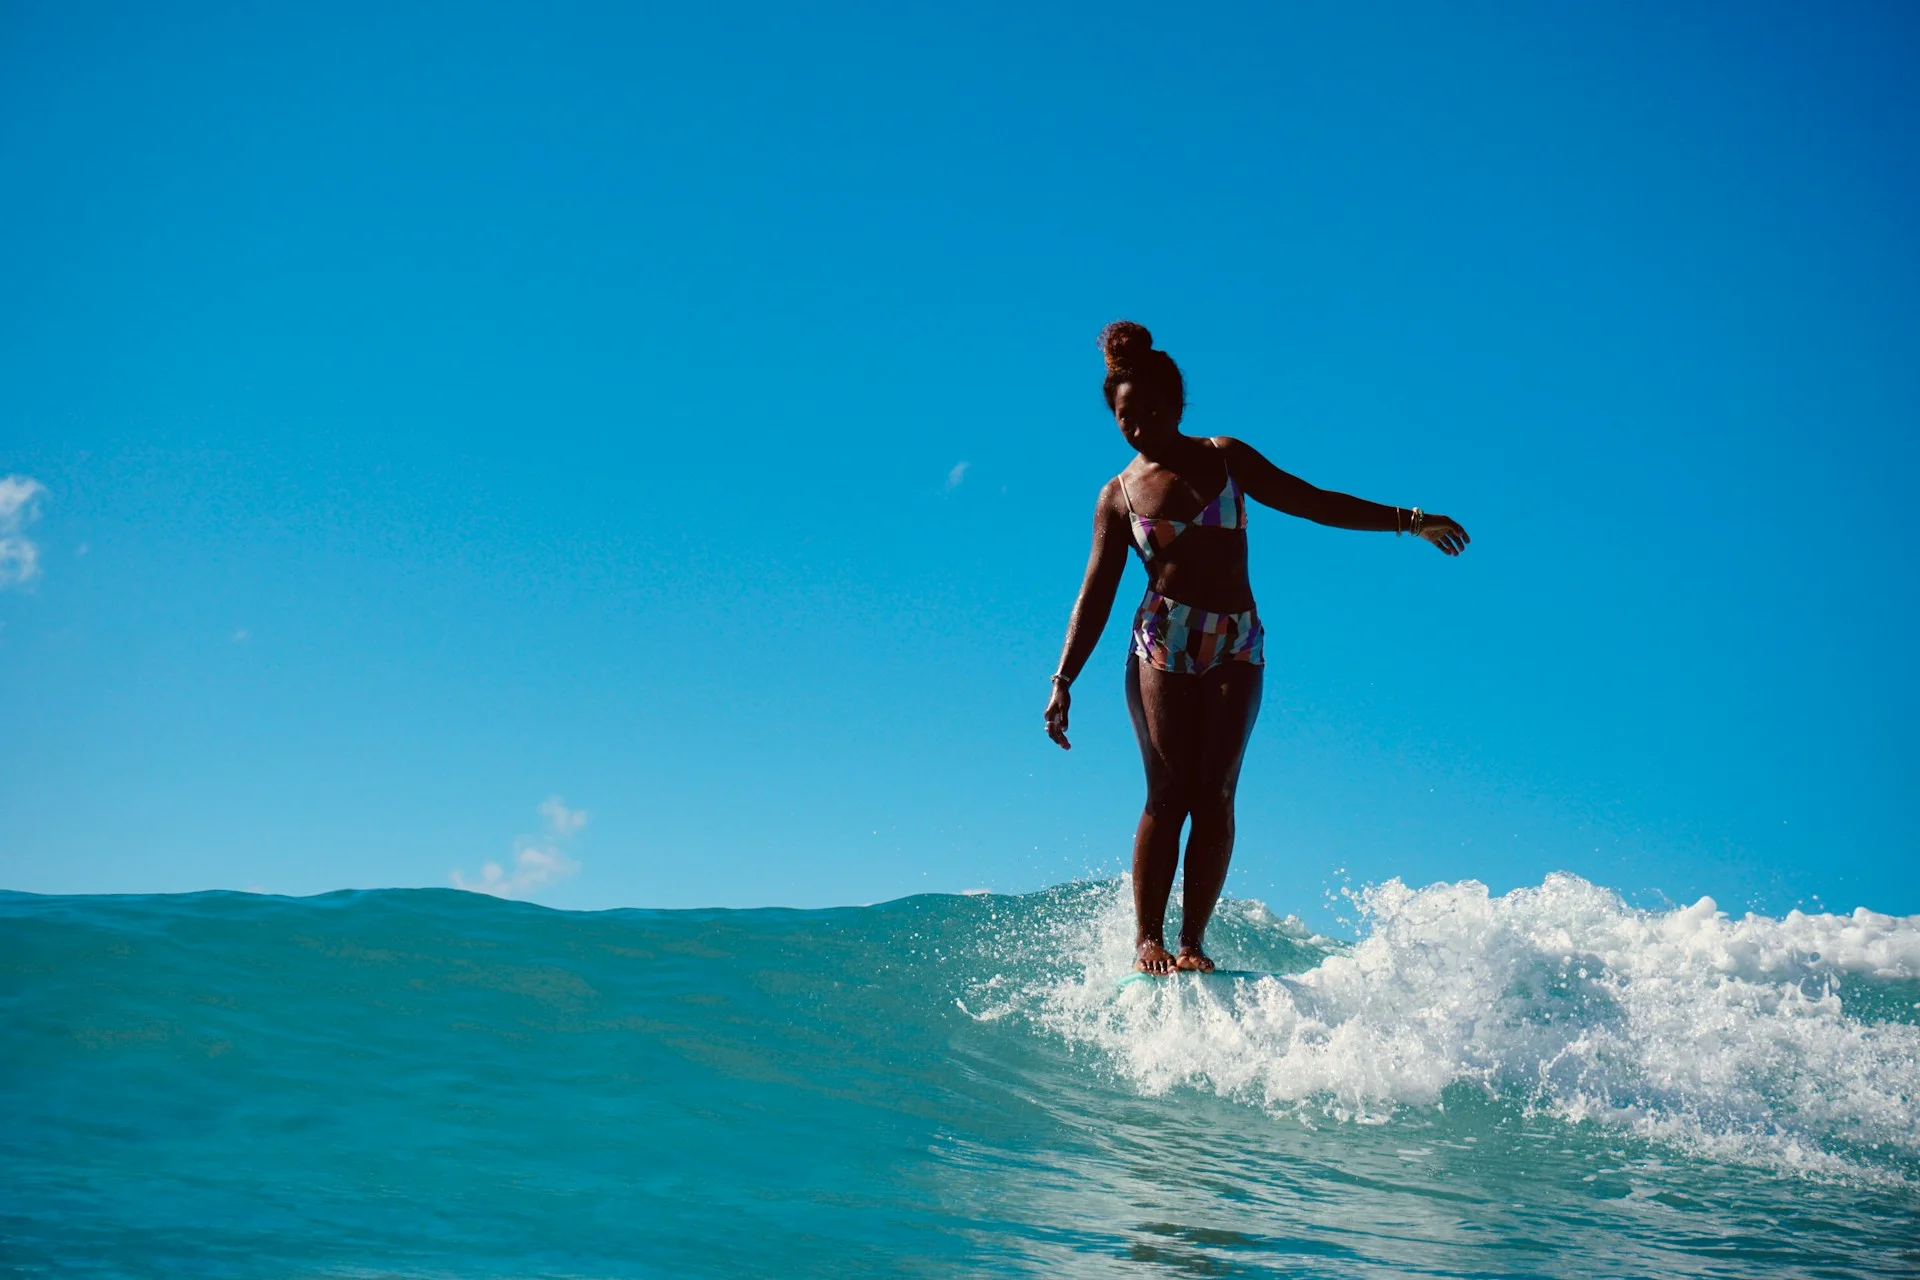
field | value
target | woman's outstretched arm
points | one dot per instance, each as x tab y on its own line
1272	487
1105	564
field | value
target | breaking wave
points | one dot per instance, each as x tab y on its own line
1788	1042
430	1083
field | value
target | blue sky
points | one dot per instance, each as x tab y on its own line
662	442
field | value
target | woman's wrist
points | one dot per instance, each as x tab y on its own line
1061	680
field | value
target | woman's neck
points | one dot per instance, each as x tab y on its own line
1177	454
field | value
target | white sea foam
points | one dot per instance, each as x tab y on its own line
1687	1025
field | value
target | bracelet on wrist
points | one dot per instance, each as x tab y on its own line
1065	682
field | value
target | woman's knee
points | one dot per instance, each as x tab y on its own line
1212	806
1168	800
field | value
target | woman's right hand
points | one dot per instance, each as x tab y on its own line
1057	715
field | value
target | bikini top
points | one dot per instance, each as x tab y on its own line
1228	510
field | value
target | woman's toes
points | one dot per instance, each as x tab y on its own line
1153	958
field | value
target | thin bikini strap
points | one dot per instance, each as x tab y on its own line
1122	478
1223	457
1239	498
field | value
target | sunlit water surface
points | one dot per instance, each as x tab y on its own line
431	1083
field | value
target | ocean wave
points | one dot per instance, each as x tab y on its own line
1786	1042
428	1082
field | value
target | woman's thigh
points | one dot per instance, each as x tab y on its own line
1227	704
1166	711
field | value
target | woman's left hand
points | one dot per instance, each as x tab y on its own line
1445	533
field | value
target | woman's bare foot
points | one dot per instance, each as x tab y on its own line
1153	959
1193	959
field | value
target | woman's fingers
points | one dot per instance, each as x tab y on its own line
1448	536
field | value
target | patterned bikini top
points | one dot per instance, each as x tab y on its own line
1228	510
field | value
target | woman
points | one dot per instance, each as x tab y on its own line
1194	662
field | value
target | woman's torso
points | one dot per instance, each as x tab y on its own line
1203	565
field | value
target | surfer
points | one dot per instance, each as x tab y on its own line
1195	657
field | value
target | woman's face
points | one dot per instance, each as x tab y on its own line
1143	418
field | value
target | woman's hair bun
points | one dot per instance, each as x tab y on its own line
1125	344
1132	357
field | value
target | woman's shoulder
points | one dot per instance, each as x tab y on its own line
1127	475
1238	452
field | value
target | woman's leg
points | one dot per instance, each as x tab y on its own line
1166	722
1228	701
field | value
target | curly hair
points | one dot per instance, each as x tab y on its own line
1132	357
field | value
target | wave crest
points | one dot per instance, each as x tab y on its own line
1788	1042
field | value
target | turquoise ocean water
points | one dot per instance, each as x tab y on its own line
431	1083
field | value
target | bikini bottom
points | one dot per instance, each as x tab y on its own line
1180	638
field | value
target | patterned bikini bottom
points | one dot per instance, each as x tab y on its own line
1180	638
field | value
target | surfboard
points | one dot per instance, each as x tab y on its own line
1218	975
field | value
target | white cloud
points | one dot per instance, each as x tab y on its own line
19	507
536	863
562	821
533	868
959	473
